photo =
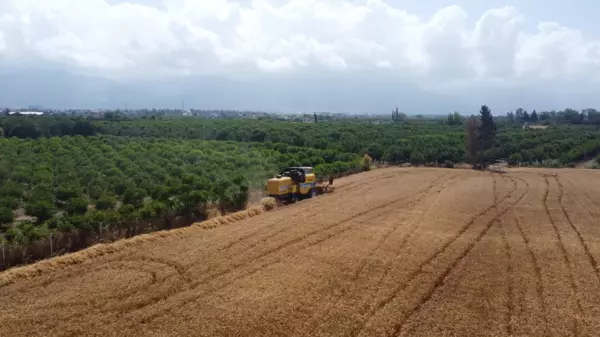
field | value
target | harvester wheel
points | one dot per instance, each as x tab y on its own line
313	193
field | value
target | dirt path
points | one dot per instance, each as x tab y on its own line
393	252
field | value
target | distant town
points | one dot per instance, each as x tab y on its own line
307	117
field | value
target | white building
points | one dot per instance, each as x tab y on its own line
26	113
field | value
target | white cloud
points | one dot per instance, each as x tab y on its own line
275	65
557	52
221	37
495	36
2	43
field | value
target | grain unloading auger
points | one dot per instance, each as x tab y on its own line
297	183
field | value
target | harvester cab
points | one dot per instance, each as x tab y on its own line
296	183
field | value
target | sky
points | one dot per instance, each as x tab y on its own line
429	57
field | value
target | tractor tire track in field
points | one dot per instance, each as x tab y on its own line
317	231
536	267
196	296
343	291
449	182
180	269
125	265
510	294
344	188
439	281
420	269
404	241
582	242
509	265
361	183
539	285
320	230
288	243
593	213
495	188
565	256
284	227
181	272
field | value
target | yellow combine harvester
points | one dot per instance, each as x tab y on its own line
297	183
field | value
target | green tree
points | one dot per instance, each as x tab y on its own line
8	201
134	196
77	206
534	117
105	202
486	134
64	193
454	119
515	159
519	116
544	116
593	116
240	194
126	212
510	116
6	215
194	204
84	128
41	209
417	158
366	162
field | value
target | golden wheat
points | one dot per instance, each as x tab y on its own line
13	275
394	252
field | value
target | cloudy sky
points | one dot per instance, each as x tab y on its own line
432	56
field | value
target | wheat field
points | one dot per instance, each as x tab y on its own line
392	252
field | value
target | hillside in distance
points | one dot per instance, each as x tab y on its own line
56	88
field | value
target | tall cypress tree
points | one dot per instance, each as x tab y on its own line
487	132
534	117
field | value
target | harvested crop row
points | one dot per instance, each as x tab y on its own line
393	252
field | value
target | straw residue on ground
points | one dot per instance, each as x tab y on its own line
393	252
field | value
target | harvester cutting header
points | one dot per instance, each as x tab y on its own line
297	183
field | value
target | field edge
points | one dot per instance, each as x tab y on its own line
42	267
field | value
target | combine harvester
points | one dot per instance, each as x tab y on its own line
297	183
